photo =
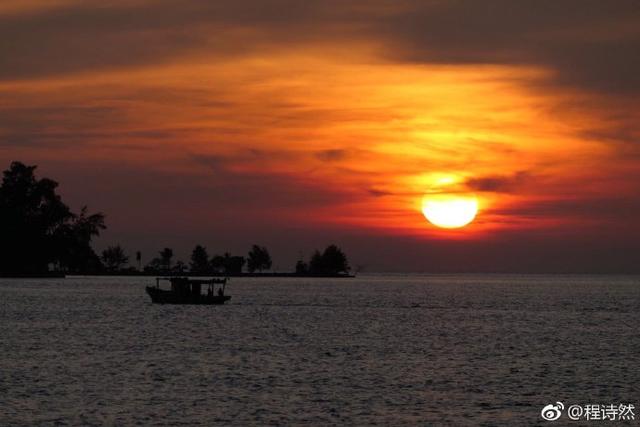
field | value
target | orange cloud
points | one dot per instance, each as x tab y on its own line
320	119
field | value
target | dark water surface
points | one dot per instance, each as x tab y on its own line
378	349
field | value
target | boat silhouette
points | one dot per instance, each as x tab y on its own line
189	291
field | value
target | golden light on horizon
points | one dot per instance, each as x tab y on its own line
450	210
369	144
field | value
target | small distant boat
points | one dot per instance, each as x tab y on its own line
189	291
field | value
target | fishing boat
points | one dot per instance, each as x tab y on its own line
189	291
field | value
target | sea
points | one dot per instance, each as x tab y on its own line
378	349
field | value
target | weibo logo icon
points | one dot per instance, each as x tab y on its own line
552	412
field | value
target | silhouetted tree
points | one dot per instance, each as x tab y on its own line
331	261
316	264
179	268
166	255
335	261
114	258
233	264
217	264
259	259
227	264
139	259
302	267
76	254
200	260
161	264
37	229
155	266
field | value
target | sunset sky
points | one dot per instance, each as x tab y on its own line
295	124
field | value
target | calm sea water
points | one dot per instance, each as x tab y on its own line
378	349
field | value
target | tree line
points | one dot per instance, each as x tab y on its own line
258	259
331	261
40	234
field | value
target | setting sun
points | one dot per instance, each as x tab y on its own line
450	211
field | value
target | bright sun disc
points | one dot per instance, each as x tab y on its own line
450	210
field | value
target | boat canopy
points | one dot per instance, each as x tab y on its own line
213	281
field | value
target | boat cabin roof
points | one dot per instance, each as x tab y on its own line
189	281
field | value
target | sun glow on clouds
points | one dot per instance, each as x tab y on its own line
333	120
376	134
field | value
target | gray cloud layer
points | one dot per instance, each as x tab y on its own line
590	44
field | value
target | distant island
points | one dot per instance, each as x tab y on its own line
42	237
332	262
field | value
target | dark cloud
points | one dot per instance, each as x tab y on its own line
622	134
210	161
378	193
499	183
332	155
586	43
251	157
610	211
264	190
88	36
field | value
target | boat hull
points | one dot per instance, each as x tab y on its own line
160	296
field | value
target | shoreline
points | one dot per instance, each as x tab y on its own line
143	274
